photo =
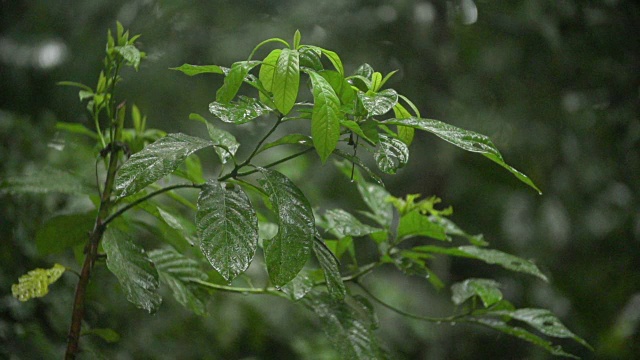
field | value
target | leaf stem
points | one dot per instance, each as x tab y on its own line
285	159
241	290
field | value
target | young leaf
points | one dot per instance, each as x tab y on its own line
325	120
289	250
176	271
296	39
331	270
341	224
286	80
64	232
488	290
490	256
131	54
416	224
379	103
348	324
227	228
155	161
134	270
46	180
36	282
391	154
192	70
267	69
405	133
464	139
240	112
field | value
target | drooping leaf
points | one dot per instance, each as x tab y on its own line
36	282
46	180
357	130
542	320
134	270
64	232
356	160
240	112
391	154
267	69
286	80
225	144
325	119
416	224
233	80
464	139
289	250
334	59
348	324
310	58
342	223
155	161
488	290
299	286
76	128
490	256
524	335
450	228
227	228
331	270
177	271
290	139
379	103
192	70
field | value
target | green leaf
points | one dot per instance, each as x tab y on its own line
490	256
131	54
416	224
356	129
240	112
75	84
335	60
488	290
405	133
341	224
291	139
299	286
225	144
287	253
233	80
76	128
177	271
267	70
391	154
286	80
524	335
325	120
356	160
64	232
310	58
379	103
46	180
184	227
464	139
340	85
192	70
134	270
227	228
348	324
155	161
331	270
36	282
296	39
450	228
108	335
542	320
374	195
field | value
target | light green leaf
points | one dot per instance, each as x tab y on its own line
267	70
524	335
227	145
310	58
108	335
490	256
542	320
36	282
46	180
341	224
488	290
331	270
464	139
335	60
450	228
416	224
184	227
134	270
405	133
64	232
340	86
296	39
291	139
287	253
379	103
177	271
155	161
131	54
76	128
325	120
227	228
240	112
356	129
391	154
365	70
348	324
233	80
192	70
286	80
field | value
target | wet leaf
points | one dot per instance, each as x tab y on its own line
227	145
325	119
488	290
192	70
391	154
416	224
286	80
46	180
331	270
240	112
379	103
341	224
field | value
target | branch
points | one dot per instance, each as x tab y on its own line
285	159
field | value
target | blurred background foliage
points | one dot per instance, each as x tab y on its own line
555	84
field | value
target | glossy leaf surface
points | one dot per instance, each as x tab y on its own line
488	290
325	119
416	224
379	103
192	70
286	80
46	180
391	154
331	270
342	223
240	112
267	69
